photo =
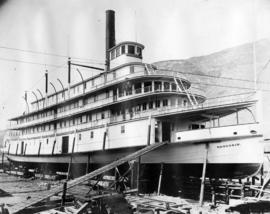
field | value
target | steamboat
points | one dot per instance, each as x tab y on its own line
131	104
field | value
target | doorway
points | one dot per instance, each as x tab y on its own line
65	141
166	131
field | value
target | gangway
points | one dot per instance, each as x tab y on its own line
35	198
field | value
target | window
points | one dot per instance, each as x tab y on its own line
80	136
90	117
157	103
114	75
144	105
91	134
107	94
150	104
112	54
139	51
166	86
123	48
165	102
117	51
102	115
122	129
47	140
184	102
173	87
131	49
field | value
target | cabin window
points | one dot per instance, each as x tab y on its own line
184	103
114	75
122	129
139	51
117	51
102	115
166	86
165	102
107	94
173	87
90	117
131	49
157	103
93	82
47	141
92	134
131	69
123	49
80	136
138	88
147	86
194	126
150	104
157	86
144	106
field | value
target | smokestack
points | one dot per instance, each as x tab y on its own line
110	35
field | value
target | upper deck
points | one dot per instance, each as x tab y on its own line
104	81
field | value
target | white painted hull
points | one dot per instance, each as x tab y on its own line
245	154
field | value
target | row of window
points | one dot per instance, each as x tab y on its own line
126	49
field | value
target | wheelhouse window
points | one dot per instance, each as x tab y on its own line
139	51
131	49
117	51
112	54
123	49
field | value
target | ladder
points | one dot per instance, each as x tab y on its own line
182	88
35	198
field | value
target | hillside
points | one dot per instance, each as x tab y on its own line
236	63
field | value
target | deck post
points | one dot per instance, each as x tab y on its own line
138	174
39	148
203	175
54	142
17	149
71	157
104	140
160	178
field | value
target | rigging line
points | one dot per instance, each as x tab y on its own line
32	63
212	76
45	53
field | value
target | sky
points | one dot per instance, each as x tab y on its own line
169	29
